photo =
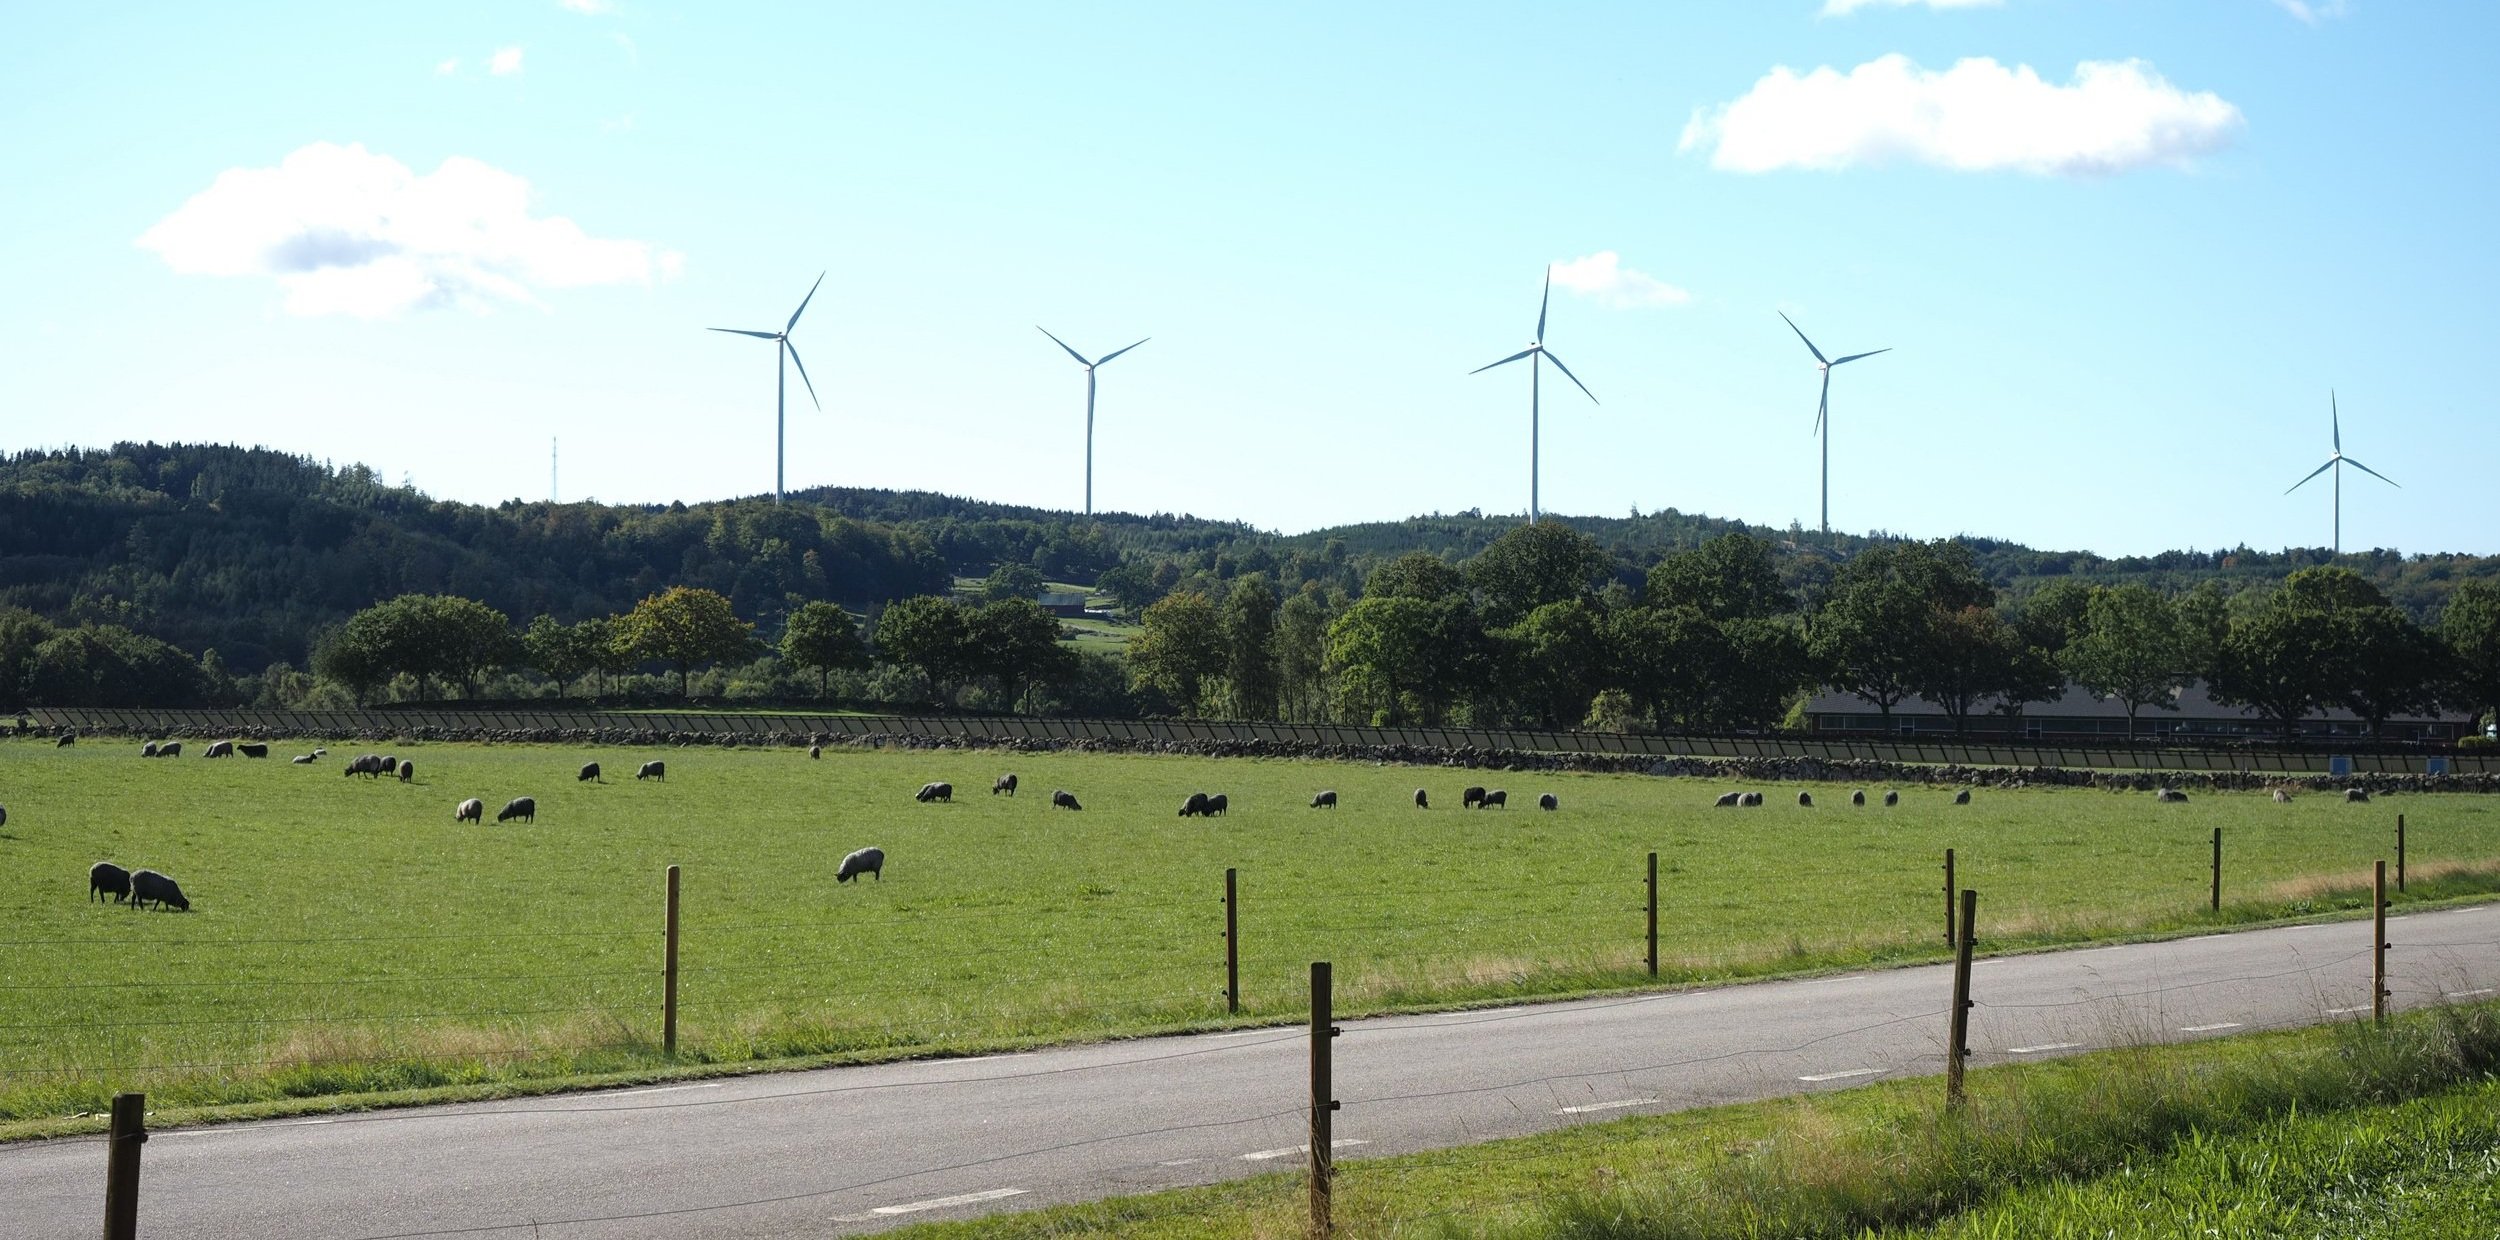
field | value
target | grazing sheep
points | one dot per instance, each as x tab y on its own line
170	749
149	885
1858	797
1805	800
1217	804
815	751
1061	798
107	879
654	769
302	759
1325	800
1729	800
1194	807
523	808
471	810
934	792
1753	798
589	773
390	765
407	771
1891	797
2282	797
1496	799
148	750
1471	798
363	764
2170	796
4	815
2356	796
1548	801
1422	801
865	861
1962	797
1005	783
66	740
252	750
219	749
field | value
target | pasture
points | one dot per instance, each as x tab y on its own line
348	936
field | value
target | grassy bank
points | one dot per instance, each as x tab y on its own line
349	937
2346	1130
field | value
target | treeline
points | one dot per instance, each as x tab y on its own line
1539	629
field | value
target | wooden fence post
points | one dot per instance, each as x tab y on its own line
668	973
1653	914
1323	1099
1950	895
2217	896
1957	1045
1232	942
129	1131
2378	945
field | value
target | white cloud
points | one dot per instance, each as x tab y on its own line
1603	278
505	63
1979	115
346	231
1843	8
2314	11
448	67
594	8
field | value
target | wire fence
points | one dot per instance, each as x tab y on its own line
798	728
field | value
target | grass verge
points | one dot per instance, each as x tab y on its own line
2310	1123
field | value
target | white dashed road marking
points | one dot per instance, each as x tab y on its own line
2044	1046
2468	994
663	1089
2347	1011
1288	1151
941	1203
1842	1076
2217	1025
1618	1105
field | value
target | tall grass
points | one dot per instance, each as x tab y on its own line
1811	1178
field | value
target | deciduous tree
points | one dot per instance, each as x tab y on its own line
686	627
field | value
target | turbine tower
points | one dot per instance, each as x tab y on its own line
1823	409
1536	353
2336	461
1090	367
781	382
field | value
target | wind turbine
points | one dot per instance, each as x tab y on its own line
781	383
2335	461
1537	352
1823	409
1090	367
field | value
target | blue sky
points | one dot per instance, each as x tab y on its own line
2122	249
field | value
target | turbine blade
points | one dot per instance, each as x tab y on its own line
2372	472
740	331
811	296
1542	304
1575	379
1116	352
1080	358
1823	407
1855	356
2335	420
2330	464
811	384
1801	335
1505	361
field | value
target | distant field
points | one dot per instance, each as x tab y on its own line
349	936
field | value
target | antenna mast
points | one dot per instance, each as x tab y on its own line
551	469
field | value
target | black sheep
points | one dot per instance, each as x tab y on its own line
1195	806
589	772
252	750
1325	800
1061	798
654	769
1548	801
1217	804
105	878
523	808
1471	798
147	885
407	771
1422	801
1005	783
935	792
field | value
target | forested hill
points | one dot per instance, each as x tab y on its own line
252	552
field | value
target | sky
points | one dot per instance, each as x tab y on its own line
2122	252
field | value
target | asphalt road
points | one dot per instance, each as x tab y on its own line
851	1150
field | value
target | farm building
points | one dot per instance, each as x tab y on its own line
1068	605
2076	714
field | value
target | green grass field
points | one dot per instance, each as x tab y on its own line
348	937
